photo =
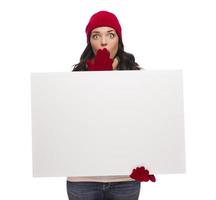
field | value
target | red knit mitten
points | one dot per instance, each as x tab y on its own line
141	174
101	62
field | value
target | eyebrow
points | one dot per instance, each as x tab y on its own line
100	32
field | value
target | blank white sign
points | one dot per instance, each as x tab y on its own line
107	122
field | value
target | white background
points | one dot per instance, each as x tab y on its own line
45	35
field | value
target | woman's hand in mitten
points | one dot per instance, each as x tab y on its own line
141	174
102	61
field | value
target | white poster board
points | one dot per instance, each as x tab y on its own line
107	122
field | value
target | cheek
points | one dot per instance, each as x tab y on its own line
95	47
113	50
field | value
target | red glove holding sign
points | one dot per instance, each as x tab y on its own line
101	62
141	174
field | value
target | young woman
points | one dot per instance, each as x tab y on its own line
104	32
105	51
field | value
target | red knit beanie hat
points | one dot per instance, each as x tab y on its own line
103	18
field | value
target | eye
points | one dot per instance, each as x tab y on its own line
112	35
95	36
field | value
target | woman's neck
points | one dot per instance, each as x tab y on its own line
115	63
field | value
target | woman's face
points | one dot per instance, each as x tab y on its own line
104	37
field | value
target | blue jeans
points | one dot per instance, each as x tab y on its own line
126	190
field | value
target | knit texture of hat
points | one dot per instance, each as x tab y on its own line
103	18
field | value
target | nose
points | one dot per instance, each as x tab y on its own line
103	41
